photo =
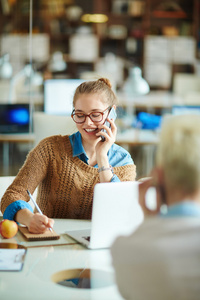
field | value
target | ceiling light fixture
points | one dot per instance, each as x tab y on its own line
94	18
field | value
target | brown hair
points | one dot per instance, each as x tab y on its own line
101	86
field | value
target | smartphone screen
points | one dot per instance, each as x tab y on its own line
112	115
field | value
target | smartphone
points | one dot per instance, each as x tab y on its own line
112	115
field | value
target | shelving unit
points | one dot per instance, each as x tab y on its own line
129	22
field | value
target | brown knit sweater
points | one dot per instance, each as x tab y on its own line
65	183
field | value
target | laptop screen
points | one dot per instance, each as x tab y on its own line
58	95
14	118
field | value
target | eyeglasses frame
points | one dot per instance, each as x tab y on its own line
88	115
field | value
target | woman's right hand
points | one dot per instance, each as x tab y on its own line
40	223
36	223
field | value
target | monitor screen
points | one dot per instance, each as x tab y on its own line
185	109
58	95
14	118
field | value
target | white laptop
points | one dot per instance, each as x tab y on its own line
115	212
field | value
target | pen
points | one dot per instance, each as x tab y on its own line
38	209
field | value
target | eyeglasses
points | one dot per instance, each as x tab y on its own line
96	116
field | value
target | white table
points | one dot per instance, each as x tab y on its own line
43	259
153	100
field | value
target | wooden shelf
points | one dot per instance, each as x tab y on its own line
169	14
52	21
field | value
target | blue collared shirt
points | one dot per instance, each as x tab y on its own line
183	209
117	156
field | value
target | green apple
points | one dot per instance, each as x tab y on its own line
8	229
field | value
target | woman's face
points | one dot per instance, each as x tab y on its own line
86	104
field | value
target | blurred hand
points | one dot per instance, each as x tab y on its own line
143	187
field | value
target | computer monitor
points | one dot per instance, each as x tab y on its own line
185	109
58	95
14	118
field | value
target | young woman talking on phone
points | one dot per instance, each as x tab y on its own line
66	168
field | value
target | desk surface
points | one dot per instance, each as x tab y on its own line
42	261
134	137
17	138
155	99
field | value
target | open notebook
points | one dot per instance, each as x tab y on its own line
115	212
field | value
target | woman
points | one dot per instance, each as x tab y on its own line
66	168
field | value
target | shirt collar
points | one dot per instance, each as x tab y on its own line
184	208
77	146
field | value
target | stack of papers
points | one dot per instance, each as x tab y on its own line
12	259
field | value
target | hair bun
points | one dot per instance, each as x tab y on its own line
106	81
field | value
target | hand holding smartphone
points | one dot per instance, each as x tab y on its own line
112	115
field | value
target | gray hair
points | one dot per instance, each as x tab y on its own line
179	152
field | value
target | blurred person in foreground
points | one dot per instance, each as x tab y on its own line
161	260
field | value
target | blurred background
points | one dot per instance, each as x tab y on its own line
149	49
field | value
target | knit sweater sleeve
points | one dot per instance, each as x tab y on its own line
32	172
126	173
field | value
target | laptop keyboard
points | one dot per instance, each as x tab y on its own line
87	238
